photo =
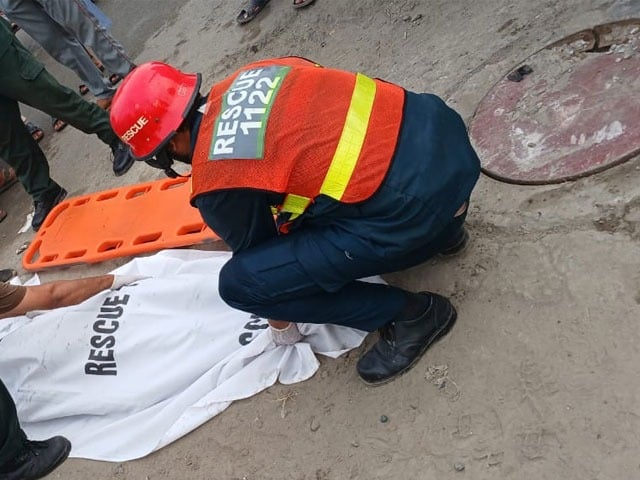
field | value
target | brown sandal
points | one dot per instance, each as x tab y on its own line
302	3
114	79
35	131
58	125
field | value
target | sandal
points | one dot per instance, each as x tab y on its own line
246	15
34	130
7	177
302	3
58	125
114	78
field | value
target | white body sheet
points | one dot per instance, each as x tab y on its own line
129	371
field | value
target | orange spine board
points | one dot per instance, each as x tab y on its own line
124	221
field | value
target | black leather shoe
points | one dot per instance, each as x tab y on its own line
43	207
38	459
122	159
7	274
402	343
457	245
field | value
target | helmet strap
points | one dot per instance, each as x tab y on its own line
164	162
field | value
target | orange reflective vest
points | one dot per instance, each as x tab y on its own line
290	126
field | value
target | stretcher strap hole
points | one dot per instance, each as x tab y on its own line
147	238
76	254
173	183
107	196
137	192
191	229
110	245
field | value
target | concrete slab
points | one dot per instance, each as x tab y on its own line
567	111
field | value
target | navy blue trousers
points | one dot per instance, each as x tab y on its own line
270	281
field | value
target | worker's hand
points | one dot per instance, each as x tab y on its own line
122	280
286	336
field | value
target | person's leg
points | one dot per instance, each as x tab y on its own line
269	281
450	241
78	19
35	131
23	458
12	438
304	277
291	277
63	103
23	154
7	176
24	79
58	40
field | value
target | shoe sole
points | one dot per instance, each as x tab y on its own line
63	456
446	328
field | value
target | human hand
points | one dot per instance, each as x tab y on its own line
286	336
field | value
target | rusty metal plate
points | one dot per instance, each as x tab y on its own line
567	111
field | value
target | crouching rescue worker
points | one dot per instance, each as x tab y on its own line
363	176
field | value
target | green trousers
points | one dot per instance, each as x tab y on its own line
24	79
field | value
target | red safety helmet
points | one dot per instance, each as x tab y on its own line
150	105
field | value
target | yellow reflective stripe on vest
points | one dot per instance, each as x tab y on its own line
352	138
295	204
348	150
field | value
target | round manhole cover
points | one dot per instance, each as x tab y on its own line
569	110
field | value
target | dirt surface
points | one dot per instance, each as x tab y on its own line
539	378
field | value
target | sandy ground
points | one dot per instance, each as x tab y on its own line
539	378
